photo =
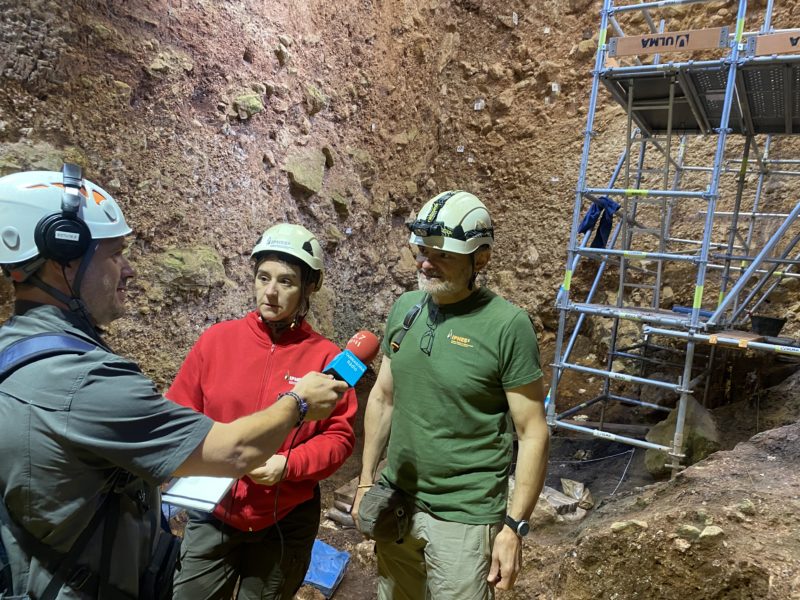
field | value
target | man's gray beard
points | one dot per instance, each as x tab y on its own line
440	287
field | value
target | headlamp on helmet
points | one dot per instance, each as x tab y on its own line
454	221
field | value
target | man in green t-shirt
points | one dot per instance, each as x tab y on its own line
461	364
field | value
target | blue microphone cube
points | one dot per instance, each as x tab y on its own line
346	367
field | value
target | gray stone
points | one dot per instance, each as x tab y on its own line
334	235
689	532
507	21
746	507
560	502
193	269
711	534
631	525
365	166
330	156
306	169
248	104
681	545
700	437
315	100
543	514
504	101
283	55
169	62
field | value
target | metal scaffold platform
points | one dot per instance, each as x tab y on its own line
708	146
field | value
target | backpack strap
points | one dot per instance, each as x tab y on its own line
408	321
35	347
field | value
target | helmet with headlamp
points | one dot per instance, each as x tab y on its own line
454	221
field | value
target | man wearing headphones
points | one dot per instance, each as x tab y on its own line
85	437
458	361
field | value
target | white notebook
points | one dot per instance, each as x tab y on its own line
199	493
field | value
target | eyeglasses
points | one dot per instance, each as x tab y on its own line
426	341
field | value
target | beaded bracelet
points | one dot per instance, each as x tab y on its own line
302	405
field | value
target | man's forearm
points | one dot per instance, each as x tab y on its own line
530	473
377	425
233	449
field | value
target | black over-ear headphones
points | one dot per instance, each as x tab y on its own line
64	236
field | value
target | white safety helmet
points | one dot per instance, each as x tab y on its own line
294	240
453	221
52	215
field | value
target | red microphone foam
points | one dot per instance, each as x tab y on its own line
365	345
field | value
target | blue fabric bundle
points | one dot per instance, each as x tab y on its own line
603	209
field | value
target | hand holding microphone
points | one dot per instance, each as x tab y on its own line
351	364
320	392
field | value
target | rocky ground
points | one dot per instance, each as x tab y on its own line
210	120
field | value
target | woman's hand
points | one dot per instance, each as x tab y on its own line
271	473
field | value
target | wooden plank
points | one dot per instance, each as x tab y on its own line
669	41
740	335
742	338
785	42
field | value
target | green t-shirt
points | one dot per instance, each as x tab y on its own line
451	437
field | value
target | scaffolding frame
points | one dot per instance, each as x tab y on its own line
742	94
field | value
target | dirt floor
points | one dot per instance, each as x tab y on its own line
211	120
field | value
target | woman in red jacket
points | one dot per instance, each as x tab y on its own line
261	534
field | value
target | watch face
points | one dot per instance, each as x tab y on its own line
523	528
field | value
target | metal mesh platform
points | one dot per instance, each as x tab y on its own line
771	99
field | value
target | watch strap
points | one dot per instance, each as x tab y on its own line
517	525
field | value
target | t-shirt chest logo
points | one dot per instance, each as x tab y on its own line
291	378
459	340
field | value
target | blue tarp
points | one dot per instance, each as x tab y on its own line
327	568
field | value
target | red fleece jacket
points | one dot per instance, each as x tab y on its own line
236	369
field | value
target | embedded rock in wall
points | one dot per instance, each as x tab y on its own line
306	169
247	105
36	156
195	270
315	100
700	438
169	62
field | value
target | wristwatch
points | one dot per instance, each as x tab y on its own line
521	528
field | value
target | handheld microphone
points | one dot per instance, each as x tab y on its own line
350	365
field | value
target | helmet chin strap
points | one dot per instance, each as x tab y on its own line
74	301
471	284
292	323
